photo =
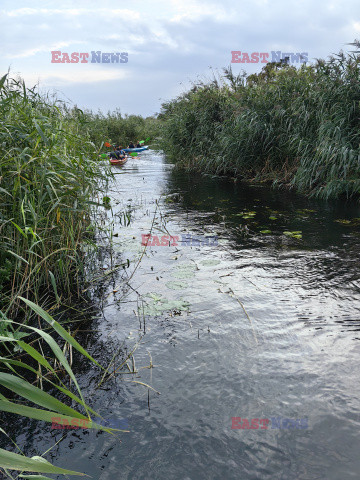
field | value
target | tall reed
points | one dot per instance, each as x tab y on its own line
50	179
49	172
293	126
120	129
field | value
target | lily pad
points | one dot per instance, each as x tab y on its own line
343	221
185	270
157	297
162	305
295	234
186	266
183	274
246	214
352	222
177	285
128	245
304	211
209	263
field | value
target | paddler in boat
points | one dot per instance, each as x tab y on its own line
122	151
138	145
119	154
131	145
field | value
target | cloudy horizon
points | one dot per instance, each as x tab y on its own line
169	44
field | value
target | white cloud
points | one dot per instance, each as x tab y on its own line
194	10
66	77
22	12
33	51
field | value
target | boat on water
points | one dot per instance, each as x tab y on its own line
141	149
118	161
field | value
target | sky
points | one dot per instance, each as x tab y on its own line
169	43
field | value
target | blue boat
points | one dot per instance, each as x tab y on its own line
135	149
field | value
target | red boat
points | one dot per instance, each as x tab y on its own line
118	161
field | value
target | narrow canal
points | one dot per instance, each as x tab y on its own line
246	322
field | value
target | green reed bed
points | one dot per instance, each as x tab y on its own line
50	179
49	173
294	126
120	129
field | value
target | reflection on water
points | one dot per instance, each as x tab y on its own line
264	324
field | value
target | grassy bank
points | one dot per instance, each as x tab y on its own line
294	126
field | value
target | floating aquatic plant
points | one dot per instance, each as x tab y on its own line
350	223
209	263
177	285
246	214
295	234
159	305
186	270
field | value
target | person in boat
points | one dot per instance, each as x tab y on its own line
131	145
119	154
138	145
115	154
122	151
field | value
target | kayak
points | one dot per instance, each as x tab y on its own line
135	149
118	161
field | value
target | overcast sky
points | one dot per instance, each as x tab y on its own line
169	43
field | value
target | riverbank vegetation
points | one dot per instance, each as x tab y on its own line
120	129
51	184
298	127
49	173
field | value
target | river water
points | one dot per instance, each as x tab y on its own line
251	325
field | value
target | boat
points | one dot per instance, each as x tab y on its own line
118	161
141	149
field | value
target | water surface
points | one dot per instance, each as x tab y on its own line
261	325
